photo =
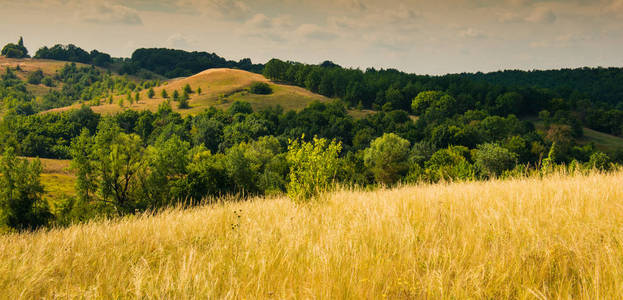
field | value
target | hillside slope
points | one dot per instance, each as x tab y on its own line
558	237
220	88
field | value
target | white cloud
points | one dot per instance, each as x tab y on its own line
107	13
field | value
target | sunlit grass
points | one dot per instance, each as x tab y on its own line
559	237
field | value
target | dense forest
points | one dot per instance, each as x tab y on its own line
424	129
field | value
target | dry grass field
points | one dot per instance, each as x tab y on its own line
552	238
220	88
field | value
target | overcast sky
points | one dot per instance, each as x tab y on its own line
424	37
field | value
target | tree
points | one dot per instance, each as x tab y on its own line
183	104
313	167
491	159
176	95
110	166
129	98
187	89
151	93
199	90
21	204
137	97
164	94
15	50
388	158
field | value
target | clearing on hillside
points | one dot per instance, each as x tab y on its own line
220	88
557	237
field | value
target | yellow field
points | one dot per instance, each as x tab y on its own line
559	237
220	88
57	179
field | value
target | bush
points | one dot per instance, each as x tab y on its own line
260	88
35	77
388	158
313	167
599	161
491	160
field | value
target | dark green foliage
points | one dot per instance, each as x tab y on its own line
21	194
187	90
35	77
260	88
15	50
178	63
73	53
151	93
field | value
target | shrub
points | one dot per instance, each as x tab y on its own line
151	93
388	158
492	160
35	77
599	161
313	167
261	88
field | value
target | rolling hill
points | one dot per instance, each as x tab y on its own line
544	238
220	88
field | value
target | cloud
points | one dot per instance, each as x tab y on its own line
471	33
225	9
179	41
315	32
542	15
107	13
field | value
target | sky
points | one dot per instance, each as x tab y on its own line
418	36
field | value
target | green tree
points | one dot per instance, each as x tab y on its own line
176	95
388	158
15	50
187	89
137	97
129	98
151	93
111	167
21	204
313	167
164	94
183	104
199	90
491	159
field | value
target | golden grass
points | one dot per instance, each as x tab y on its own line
559	237
220	88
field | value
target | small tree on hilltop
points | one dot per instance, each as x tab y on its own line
151	93
313	167
164	94
187	89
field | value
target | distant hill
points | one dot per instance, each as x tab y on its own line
220	88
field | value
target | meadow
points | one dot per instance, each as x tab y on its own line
537	238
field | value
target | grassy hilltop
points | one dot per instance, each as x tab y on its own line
220	88
558	237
